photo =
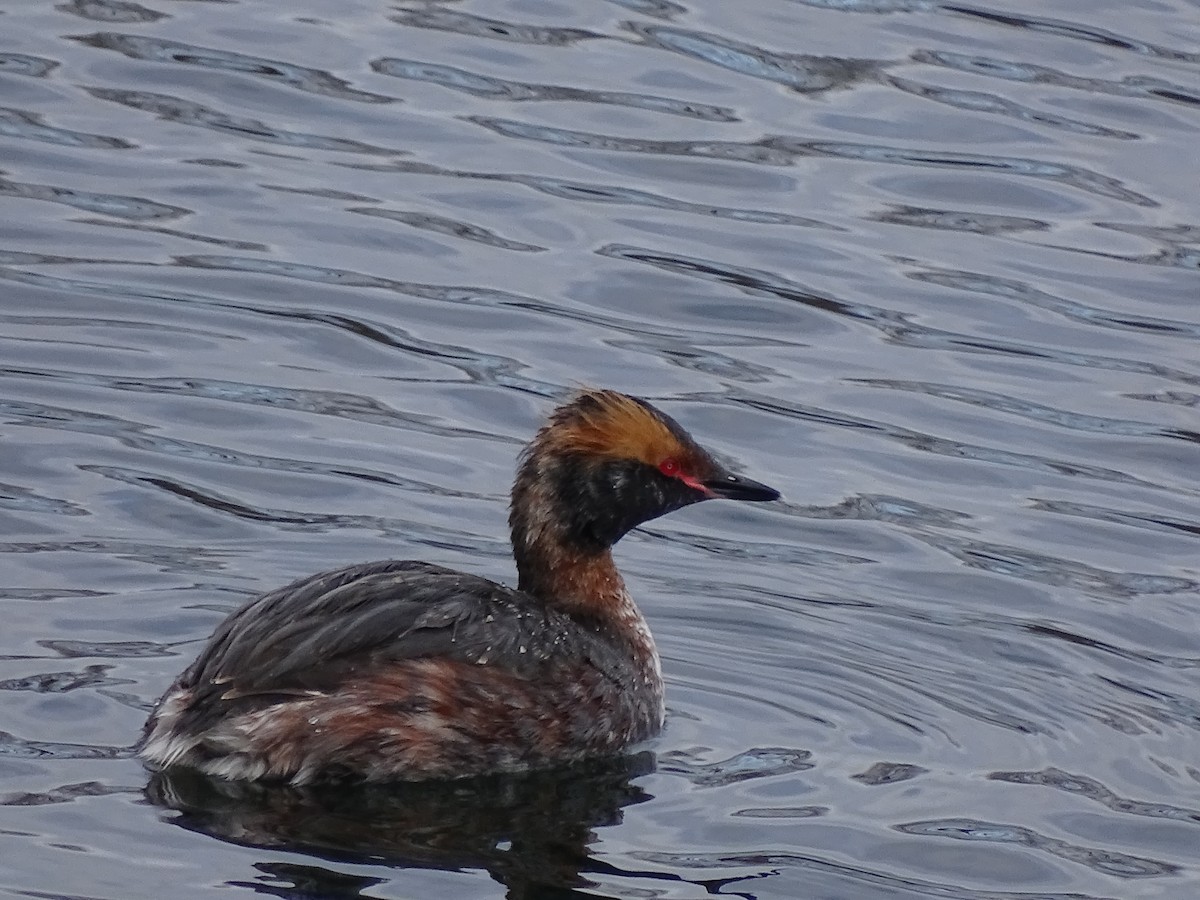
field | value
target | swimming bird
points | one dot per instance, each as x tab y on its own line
405	670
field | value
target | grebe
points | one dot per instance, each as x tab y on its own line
403	670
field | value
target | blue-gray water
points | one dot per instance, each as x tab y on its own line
285	286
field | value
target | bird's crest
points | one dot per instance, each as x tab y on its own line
608	424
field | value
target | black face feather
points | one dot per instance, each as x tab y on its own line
604	499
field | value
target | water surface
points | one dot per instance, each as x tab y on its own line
284	287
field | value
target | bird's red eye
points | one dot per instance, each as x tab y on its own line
669	466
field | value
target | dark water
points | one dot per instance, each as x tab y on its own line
285	286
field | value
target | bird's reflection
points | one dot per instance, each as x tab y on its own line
530	832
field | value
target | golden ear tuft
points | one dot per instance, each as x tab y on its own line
610	424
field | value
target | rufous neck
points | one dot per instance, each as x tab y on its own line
580	583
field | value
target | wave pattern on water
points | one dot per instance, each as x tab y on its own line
282	290
1108	862
515	91
784	150
301	78
175	109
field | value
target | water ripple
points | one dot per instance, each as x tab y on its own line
119	11
1155	521
29	126
747	279
1036	412
1061	173
781	812
696	358
769	862
889	773
1169	235
179	449
413	530
323	403
108	649
437	19
164	557
659	9
144	228
784	150
889	508
459	294
928	443
1175	257
67	793
42	595
1042	568
958	220
187	112
62	682
479	366
992	104
1110	862
566	137
13	747
594	192
24	64
1023	292
161	50
124	207
897	326
253	313
1140	86
785	554
447	226
1075	638
760	762
1073	31
1164	706
801	73
1174	398
142	437
490	369
493	88
876	7
25	500
1083	786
